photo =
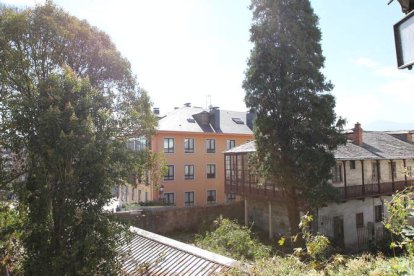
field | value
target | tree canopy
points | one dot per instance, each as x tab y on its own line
69	102
296	127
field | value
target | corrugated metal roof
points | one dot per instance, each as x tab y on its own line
376	145
151	254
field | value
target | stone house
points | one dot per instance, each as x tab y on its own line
369	169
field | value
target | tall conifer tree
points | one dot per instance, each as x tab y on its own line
296	127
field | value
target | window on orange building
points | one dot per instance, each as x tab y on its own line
189	145
211	171
189	198
231	144
188	172
211	197
169	198
168	145
170	173
211	145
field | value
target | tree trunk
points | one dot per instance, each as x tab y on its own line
292	207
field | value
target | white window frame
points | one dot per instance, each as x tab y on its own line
169	149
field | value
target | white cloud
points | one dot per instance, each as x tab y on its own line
362	61
363	108
388	97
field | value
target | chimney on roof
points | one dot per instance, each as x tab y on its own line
187	104
203	118
409	137
358	132
156	110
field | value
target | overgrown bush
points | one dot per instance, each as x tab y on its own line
400	211
233	240
337	265
318	247
11	249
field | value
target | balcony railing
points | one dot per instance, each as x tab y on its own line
361	191
270	192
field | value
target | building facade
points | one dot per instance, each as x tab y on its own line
193	141
369	169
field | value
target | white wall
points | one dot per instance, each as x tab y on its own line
354	176
347	211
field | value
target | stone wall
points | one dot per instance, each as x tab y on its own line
169	219
258	213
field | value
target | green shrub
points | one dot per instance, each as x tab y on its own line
233	240
11	249
400	210
319	248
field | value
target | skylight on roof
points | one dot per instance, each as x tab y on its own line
190	120
238	121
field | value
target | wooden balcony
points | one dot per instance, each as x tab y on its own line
254	191
241	181
270	192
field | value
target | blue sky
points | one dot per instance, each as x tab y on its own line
187	50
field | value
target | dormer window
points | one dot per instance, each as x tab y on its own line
238	121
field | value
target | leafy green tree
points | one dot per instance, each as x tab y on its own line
69	103
296	127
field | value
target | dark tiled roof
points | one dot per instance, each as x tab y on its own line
152	254
220	121
350	151
227	122
386	146
376	145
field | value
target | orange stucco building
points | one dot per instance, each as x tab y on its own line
193	141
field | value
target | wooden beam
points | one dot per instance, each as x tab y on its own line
246	215
346	190
363	177
242	172
406	171
270	220
392	175
378	176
